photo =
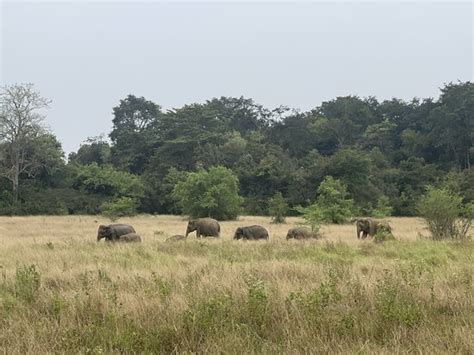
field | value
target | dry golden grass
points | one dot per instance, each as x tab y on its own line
336	295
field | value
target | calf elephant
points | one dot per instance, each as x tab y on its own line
251	233
300	233
176	238
130	238
112	232
370	227
204	227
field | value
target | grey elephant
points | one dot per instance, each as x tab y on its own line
368	226
112	232
130	238
254	232
204	227
176	238
300	233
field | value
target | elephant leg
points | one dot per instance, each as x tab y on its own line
358	232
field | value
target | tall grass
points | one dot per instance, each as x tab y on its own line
67	294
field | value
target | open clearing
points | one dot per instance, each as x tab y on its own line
61	291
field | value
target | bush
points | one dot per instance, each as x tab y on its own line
383	208
312	216
123	206
213	193
383	235
331	206
27	283
278	208
445	215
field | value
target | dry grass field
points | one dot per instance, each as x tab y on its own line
62	292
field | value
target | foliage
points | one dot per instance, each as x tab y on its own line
122	206
278	208
212	193
331	206
21	125
385	153
95	150
383	208
383	235
312	215
106	180
445	214
333	201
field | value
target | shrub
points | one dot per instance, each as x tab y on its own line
383	235
332	204
27	283
123	206
278	208
213	193
383	208
312	216
445	215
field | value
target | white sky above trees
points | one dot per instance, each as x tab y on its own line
86	56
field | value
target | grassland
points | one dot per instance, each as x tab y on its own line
61	291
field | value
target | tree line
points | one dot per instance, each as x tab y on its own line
382	154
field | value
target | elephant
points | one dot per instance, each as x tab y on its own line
130	238
370	227
251	233
112	232
176	238
204	227
301	233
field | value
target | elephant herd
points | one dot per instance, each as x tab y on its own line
208	227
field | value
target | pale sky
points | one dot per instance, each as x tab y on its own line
86	56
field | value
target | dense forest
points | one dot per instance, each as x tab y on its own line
385	153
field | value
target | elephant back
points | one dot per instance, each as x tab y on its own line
117	230
254	232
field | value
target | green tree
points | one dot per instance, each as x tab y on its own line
137	128
332	204
278	208
445	214
120	191
453	123
213	193
94	150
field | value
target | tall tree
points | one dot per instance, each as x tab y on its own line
20	124
453	123
135	132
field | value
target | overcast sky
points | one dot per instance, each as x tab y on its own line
87	56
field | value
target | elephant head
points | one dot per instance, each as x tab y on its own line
192	226
239	233
363	225
104	232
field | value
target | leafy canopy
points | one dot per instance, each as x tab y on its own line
213	193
